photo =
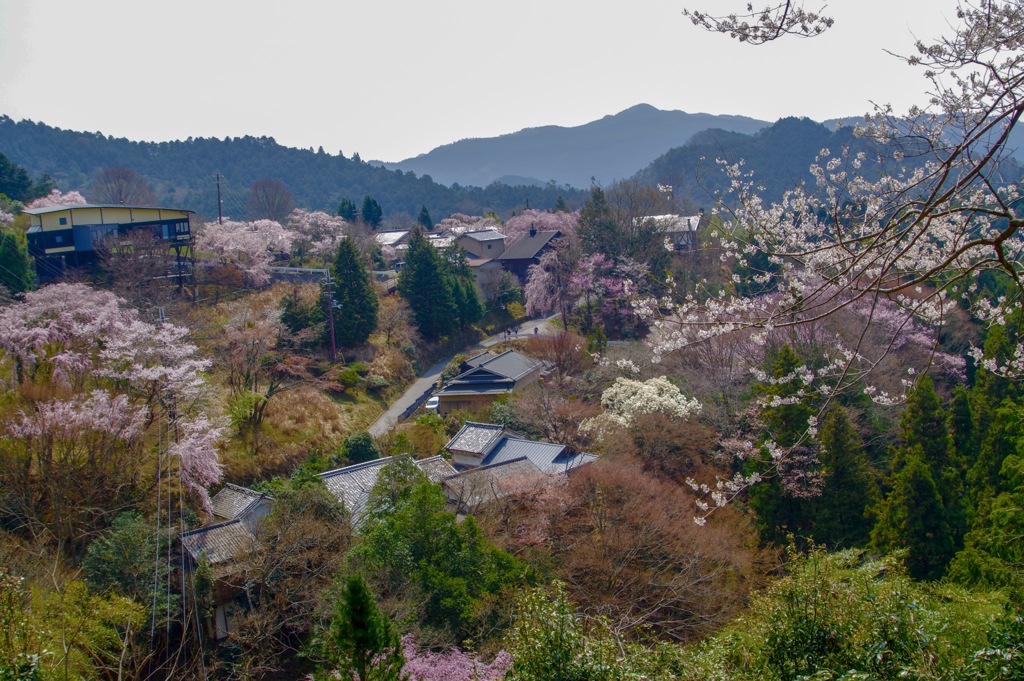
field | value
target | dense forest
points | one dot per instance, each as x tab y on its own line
184	173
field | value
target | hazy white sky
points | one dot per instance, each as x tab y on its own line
395	78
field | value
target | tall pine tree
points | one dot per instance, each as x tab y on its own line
914	517
355	313
839	514
425	283
781	511
362	642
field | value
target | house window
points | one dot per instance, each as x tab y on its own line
58	239
63	221
488	247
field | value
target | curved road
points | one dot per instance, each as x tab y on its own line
420	390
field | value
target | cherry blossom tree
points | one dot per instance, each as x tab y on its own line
248	246
938	212
451	664
766	23
103	405
315	232
56	198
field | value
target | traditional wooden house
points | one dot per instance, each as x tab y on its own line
71	236
680	230
494	462
482	243
485	377
225	546
518	257
352	484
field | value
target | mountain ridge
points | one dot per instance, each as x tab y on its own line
613	147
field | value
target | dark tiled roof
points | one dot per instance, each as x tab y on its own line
475	437
527	247
222	543
233	501
352	484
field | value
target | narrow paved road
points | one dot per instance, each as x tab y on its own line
420	390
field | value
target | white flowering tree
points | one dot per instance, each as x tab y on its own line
900	235
628	399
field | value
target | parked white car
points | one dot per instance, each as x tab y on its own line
432	403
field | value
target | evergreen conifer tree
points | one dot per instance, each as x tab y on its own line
780	512
15	264
425	283
838	514
924	423
355	314
914	517
424	219
598	231
1001	441
963	432
372	213
362	641
347	210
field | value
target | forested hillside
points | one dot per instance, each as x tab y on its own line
183	173
777	158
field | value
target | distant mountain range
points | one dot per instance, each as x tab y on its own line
534	167
612	148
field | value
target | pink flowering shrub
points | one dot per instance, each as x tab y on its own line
450	665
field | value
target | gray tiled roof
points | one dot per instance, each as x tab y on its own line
475	486
508	364
547	456
221	543
485	235
475	437
233	501
528	246
352	484
390	238
511	364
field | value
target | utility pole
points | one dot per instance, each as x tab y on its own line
330	314
220	205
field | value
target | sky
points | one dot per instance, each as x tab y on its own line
391	79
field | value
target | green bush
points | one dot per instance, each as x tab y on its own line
348	377
839	616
